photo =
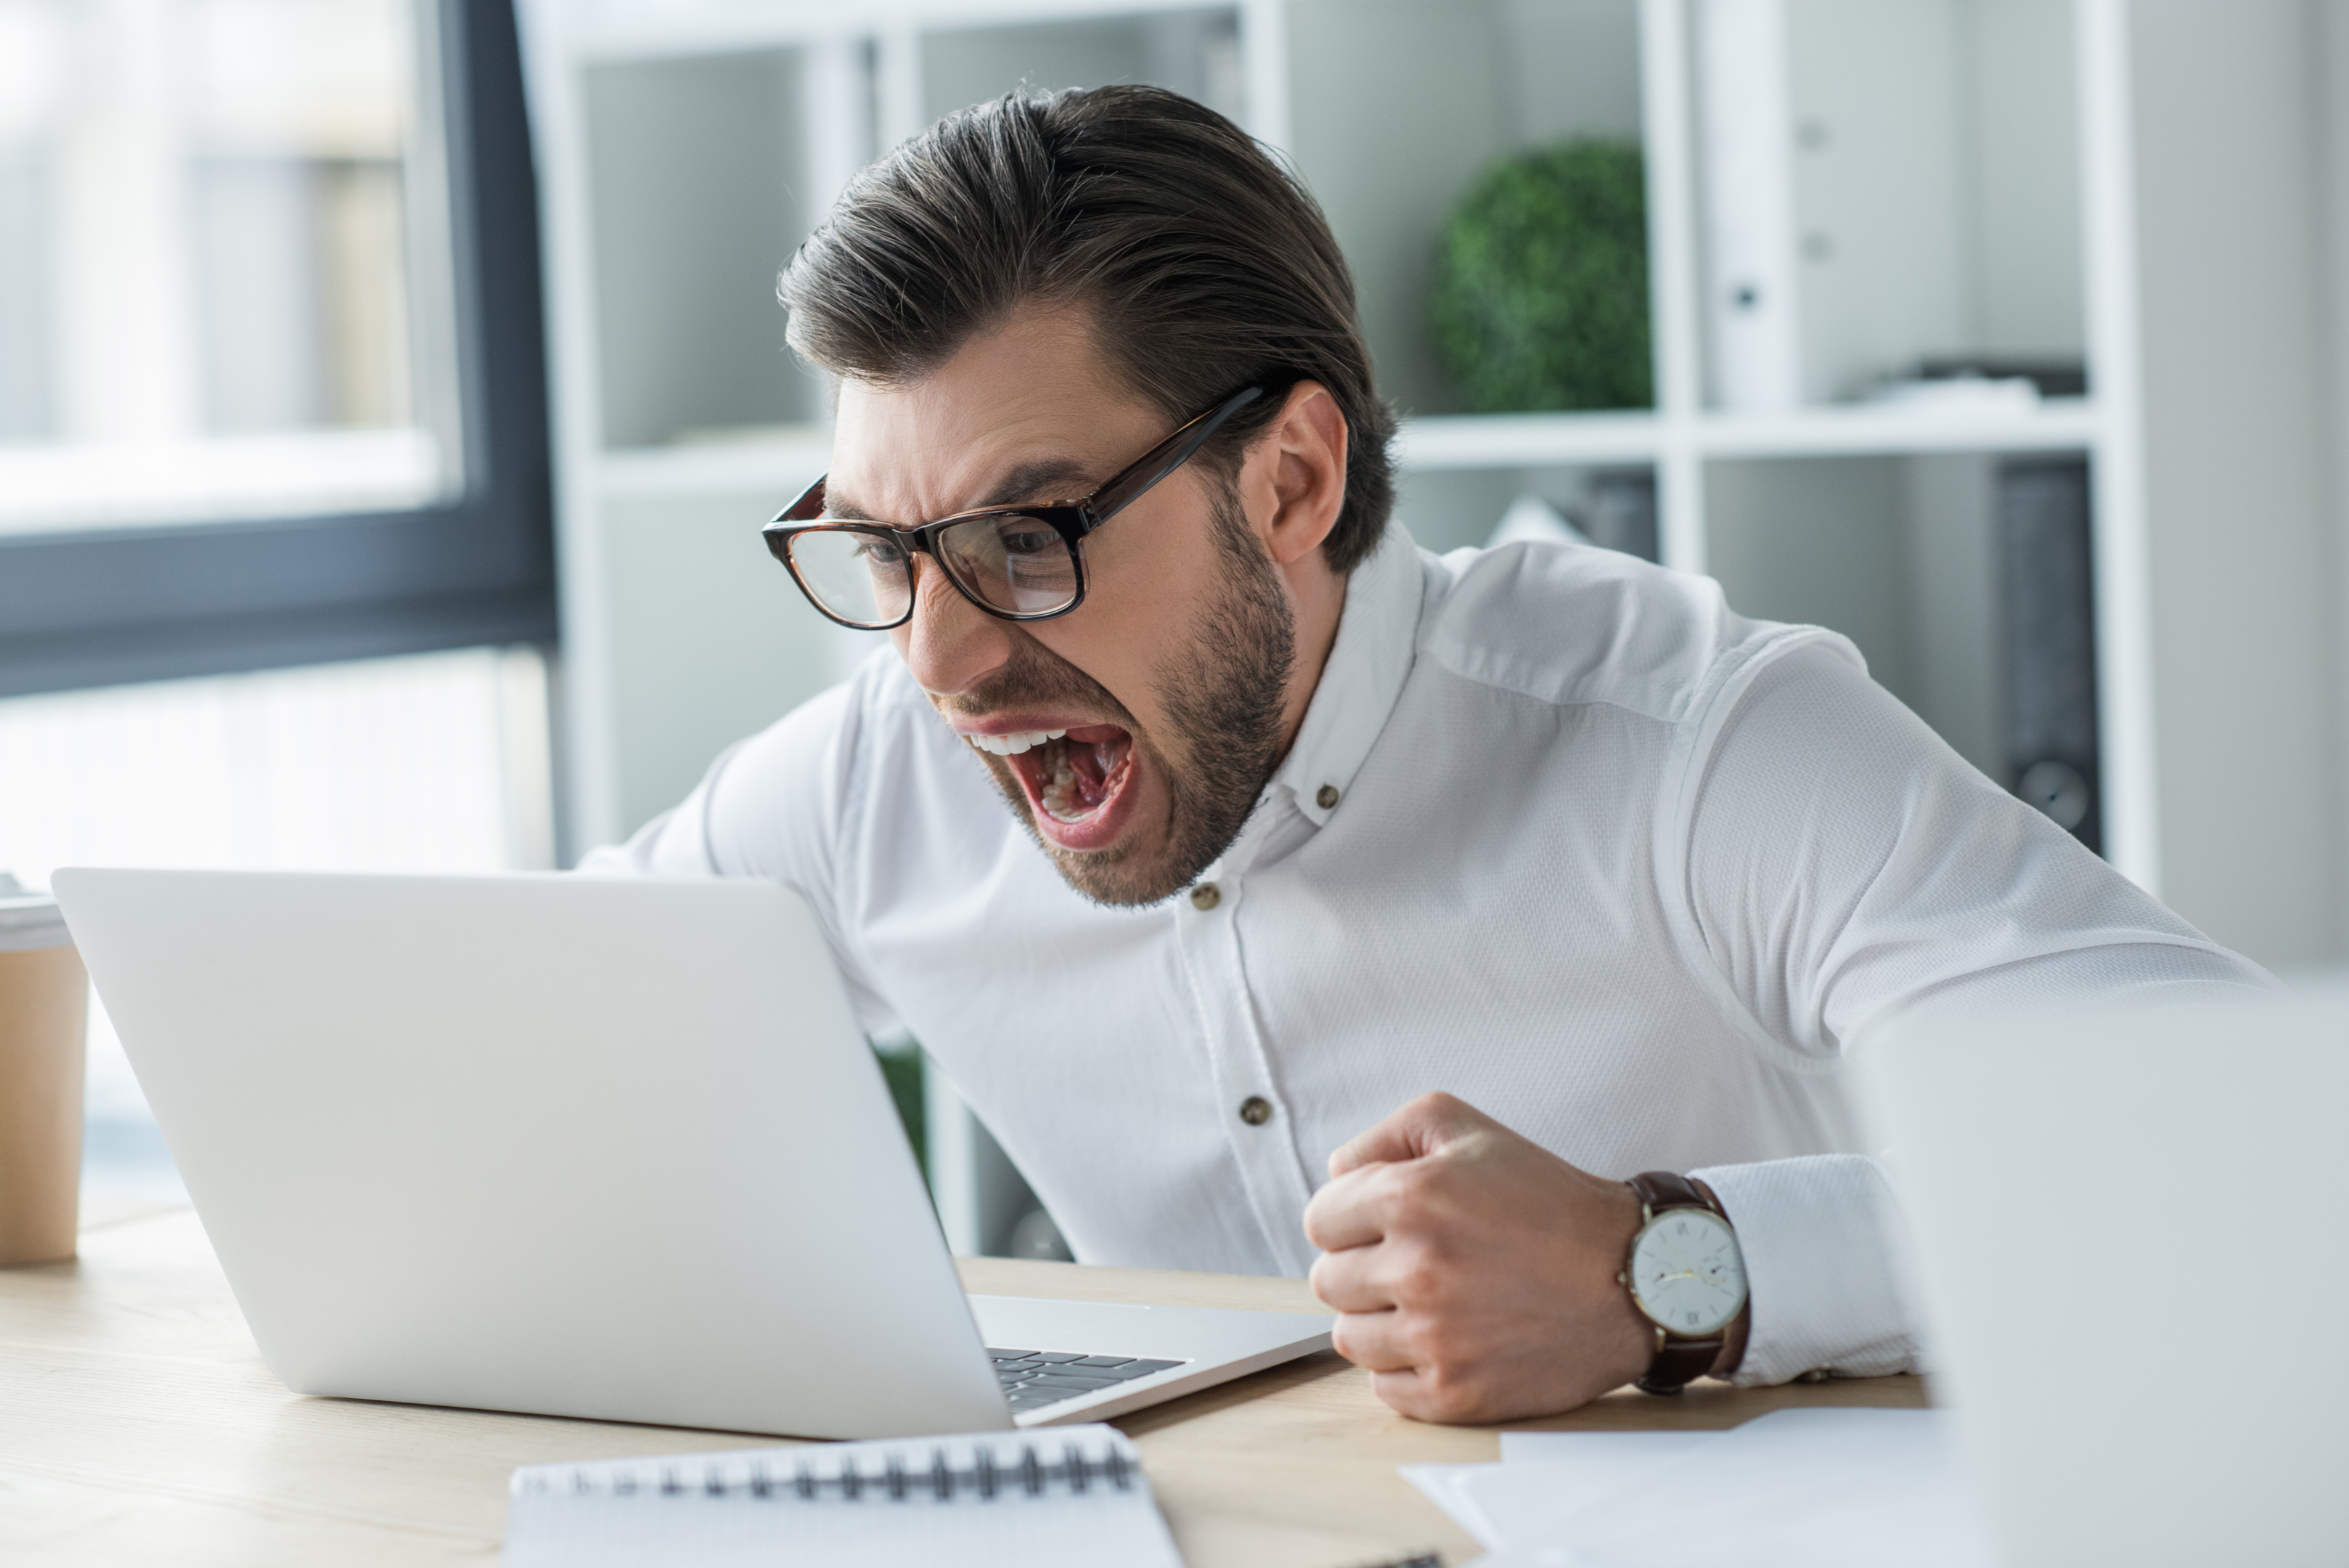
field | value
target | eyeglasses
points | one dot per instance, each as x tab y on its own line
1015	563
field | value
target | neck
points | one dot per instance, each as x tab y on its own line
1317	599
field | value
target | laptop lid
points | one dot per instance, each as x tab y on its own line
2132	1268
551	1144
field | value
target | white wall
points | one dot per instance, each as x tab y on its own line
1819	540
2246	583
699	168
2023	155
1395	107
711	641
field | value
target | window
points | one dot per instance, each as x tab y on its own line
428	762
271	394
271	382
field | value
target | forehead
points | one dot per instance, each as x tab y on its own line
1032	400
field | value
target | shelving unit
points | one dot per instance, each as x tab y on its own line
2063	144
1532	441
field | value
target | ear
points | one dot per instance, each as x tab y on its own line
1293	480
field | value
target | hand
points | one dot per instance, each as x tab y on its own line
1473	1271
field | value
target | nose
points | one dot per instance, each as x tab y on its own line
949	645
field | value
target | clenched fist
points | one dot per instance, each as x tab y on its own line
1474	1272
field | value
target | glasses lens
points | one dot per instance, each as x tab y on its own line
1013	561
859	578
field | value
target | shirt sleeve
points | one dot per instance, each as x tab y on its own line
771	808
766	808
1845	865
1821	1237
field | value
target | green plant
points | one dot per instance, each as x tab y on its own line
1540	297
901	1067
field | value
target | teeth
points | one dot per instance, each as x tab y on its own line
1059	794
1012	744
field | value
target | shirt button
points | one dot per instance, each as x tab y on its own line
1326	796
1256	1110
1205	896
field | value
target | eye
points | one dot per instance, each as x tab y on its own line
1028	538
875	551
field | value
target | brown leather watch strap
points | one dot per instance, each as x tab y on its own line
1679	1362
1662	1190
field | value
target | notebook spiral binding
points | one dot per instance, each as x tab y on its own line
942	1480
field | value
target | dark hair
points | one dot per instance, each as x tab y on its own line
1205	266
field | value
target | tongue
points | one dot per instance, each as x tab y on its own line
1078	773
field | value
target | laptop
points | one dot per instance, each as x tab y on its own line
582	1147
2129	1242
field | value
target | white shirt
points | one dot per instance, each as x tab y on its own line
1618	867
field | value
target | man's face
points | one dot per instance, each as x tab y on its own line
1134	733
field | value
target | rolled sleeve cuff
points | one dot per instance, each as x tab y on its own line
1822	1239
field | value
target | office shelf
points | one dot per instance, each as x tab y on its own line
1534	441
1868	430
1971	177
1500	440
788	460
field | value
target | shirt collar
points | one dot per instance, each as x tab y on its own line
1362	680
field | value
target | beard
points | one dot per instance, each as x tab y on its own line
1223	697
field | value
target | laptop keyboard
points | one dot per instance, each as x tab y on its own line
1035	1378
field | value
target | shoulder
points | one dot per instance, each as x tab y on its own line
1573	625
838	739
780	801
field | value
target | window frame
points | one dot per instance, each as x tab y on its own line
112	606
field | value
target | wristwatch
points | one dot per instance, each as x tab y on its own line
1685	1275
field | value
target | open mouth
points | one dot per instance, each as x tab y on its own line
1075	780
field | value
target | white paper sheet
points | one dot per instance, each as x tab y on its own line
1796	1489
1441	1485
1544	1476
1600	1447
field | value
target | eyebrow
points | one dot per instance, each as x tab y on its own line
1030	482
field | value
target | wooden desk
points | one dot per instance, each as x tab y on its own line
139	1426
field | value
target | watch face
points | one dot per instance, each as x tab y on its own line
1687	1273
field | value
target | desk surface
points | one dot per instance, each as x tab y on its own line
141	1427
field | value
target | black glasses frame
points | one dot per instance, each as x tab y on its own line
1072	520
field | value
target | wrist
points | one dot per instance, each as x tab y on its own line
1685	1276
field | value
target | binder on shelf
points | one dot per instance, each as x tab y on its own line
1623	512
1064	1497
2048	593
1745	122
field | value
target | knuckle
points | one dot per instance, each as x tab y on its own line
1447	1394
1446	1108
1420	1197
1435	1109
1409	1187
1416	1275
1464	1406
1423	1341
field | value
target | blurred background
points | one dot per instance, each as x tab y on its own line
391	392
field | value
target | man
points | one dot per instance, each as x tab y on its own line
1355	912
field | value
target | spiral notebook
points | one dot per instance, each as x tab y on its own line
1064	1495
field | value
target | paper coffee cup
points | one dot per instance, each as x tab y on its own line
43	1024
